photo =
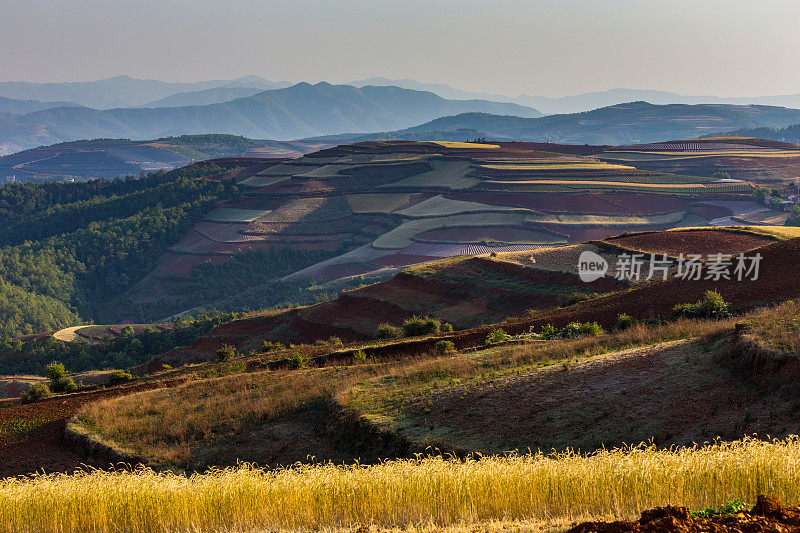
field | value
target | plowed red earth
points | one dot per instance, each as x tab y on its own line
45	446
766	516
692	241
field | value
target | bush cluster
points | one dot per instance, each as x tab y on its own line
119	376
712	305
497	336
421	325
572	330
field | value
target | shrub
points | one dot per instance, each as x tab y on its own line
335	341
388	331
226	353
593	329
36	392
731	507
447	327
572	330
269	346
416	326
549	332
497	336
56	371
119	376
65	384
445	347
298	360
360	356
624	321
711	306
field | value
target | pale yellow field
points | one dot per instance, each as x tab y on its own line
440	206
429	492
376	203
446	174
779	232
606	220
453	144
231	214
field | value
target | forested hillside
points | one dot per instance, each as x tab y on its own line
68	247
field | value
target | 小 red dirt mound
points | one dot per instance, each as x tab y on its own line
766	515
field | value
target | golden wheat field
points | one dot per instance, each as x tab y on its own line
422	493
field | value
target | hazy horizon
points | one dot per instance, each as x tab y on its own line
512	47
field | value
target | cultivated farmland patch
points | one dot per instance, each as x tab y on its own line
445	174
230	214
401	236
377	203
441	206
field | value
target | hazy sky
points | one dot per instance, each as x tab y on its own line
552	48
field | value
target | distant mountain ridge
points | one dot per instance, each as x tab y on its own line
121	91
302	110
20	107
629	123
205	97
586	101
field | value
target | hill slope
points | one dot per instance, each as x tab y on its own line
630	123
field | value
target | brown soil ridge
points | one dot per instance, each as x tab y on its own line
768	515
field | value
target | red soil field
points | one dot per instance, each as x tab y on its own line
693	241
711	211
649	204
777	281
46	447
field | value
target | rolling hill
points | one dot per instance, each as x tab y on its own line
109	158
634	122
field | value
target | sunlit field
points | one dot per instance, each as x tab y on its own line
430	492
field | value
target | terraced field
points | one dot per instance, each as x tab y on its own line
446	199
